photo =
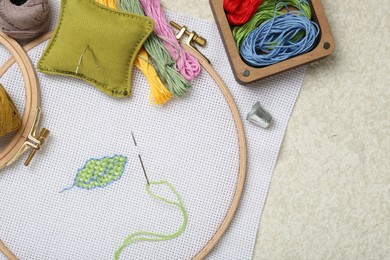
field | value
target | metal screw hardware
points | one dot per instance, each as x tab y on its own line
42	136
193	37
198	39
246	73
326	45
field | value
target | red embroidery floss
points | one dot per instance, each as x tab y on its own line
239	12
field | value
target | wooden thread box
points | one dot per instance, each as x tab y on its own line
245	73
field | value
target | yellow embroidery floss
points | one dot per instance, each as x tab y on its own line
9	116
107	3
159	94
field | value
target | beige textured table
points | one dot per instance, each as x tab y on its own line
330	192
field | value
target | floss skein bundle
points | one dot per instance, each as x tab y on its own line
162	60
239	12
266	12
187	64
279	39
22	19
9	116
159	94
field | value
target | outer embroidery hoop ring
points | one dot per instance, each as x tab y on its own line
243	154
17	145
240	133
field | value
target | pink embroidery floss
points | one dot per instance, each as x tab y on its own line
187	64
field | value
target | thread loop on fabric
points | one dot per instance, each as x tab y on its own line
150	236
9	116
186	63
24	21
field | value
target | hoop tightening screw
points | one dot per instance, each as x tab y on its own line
42	136
198	39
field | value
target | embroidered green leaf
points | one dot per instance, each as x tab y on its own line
98	173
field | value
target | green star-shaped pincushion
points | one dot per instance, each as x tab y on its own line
107	41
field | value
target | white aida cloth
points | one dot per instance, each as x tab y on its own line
190	142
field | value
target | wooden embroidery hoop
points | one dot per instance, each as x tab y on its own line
190	47
26	136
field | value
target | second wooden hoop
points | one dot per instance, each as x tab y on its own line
31	105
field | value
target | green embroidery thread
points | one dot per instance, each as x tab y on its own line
98	173
150	236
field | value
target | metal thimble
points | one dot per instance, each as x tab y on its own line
259	116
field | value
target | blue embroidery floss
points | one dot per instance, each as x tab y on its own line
280	38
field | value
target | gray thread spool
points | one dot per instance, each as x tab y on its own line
24	19
259	116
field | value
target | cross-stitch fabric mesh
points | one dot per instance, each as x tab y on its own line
191	142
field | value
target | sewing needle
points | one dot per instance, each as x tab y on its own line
140	159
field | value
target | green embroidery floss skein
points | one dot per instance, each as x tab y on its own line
175	82
151	236
9	117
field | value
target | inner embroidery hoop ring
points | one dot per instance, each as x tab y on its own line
31	104
240	134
